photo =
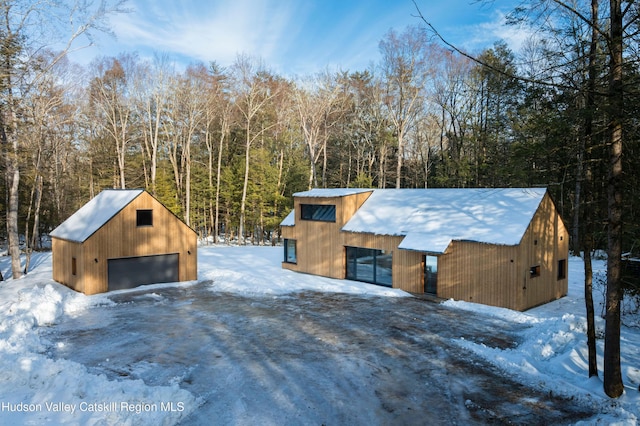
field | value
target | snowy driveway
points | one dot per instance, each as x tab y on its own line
308	358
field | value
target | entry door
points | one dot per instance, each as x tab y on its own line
130	272
431	274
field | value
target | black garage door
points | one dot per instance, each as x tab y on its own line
131	272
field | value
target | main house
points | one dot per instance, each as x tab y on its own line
503	247
122	239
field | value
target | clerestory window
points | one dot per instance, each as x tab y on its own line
318	212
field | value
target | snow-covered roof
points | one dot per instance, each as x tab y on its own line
93	215
290	220
431	218
331	192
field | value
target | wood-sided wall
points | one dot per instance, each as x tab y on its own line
62	254
499	275
544	244
407	270
480	273
490	274
120	237
319	245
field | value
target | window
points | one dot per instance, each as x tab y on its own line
369	265
562	269
74	268
534	271
319	212
144	217
431	274
290	255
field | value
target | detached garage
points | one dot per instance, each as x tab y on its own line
122	239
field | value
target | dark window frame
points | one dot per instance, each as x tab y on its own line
352	254
430	274
318	212
74	266
144	217
562	269
287	244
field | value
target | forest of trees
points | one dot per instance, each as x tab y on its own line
225	147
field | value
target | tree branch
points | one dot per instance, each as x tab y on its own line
485	64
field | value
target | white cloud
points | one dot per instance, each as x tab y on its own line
514	35
291	36
218	31
480	35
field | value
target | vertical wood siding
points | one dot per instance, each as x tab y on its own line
545	242
320	250
479	273
62	253
500	275
120	237
407	268
490	274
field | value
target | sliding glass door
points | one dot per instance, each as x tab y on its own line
369	265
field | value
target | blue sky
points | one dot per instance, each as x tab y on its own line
293	37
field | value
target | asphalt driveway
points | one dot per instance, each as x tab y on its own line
308	358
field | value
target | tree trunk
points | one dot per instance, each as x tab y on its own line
13	181
211	225
324	163
382	178
218	179
27	238
121	150
613	385
151	142
35	234
588	199
587	248
591	326
313	179
575	238
245	185
10	139
400	155
187	181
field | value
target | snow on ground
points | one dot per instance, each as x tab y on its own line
553	354
256	271
36	389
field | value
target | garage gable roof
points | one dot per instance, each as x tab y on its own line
93	215
431	218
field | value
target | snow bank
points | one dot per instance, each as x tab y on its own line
553	353
37	390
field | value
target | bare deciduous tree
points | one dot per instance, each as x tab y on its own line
318	100
112	100
251	96
24	30
184	121
406	69
219	115
151	96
